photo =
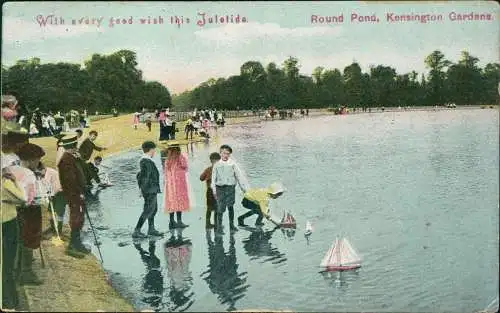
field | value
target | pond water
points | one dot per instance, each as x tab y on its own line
416	194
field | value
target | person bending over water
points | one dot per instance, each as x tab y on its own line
257	201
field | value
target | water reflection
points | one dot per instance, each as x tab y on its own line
152	283
190	149
289	233
257	245
340	279
178	256
222	275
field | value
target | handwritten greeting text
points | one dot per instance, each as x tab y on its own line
202	19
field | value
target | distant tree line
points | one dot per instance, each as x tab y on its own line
113	81
102	83
463	83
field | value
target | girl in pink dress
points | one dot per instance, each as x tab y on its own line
136	119
176	188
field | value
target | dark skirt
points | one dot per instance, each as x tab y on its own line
164	132
30	222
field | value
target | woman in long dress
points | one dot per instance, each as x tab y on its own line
176	188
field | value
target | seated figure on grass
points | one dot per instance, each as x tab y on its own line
257	201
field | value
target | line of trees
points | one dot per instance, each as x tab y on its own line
107	81
462	83
103	82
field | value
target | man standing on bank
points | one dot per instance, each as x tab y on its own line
86	148
72	177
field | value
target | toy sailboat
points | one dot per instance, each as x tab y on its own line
309	229
341	257
288	221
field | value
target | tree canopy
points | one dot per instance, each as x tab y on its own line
103	82
107	81
259	86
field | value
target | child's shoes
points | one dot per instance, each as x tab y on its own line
138	234
154	232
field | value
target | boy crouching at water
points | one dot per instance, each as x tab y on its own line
148	179
225	174
211	202
257	201
101	178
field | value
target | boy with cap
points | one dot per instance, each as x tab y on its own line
72	178
257	201
148	180
30	214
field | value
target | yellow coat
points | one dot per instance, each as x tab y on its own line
12	196
259	196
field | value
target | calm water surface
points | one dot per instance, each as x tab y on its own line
416	193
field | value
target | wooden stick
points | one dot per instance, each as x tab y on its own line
275	223
41	257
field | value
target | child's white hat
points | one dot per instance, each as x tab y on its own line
276	188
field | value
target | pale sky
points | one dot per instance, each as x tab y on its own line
182	57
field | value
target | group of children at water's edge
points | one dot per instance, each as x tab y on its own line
221	179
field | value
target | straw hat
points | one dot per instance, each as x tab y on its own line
68	141
276	188
8	99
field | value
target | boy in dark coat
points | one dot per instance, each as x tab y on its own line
148	179
72	177
211	202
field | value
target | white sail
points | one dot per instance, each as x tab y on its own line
309	227
341	253
329	256
349	255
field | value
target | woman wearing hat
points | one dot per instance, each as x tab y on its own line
30	214
72	177
13	137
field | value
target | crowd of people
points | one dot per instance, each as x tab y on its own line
28	187
198	123
43	124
